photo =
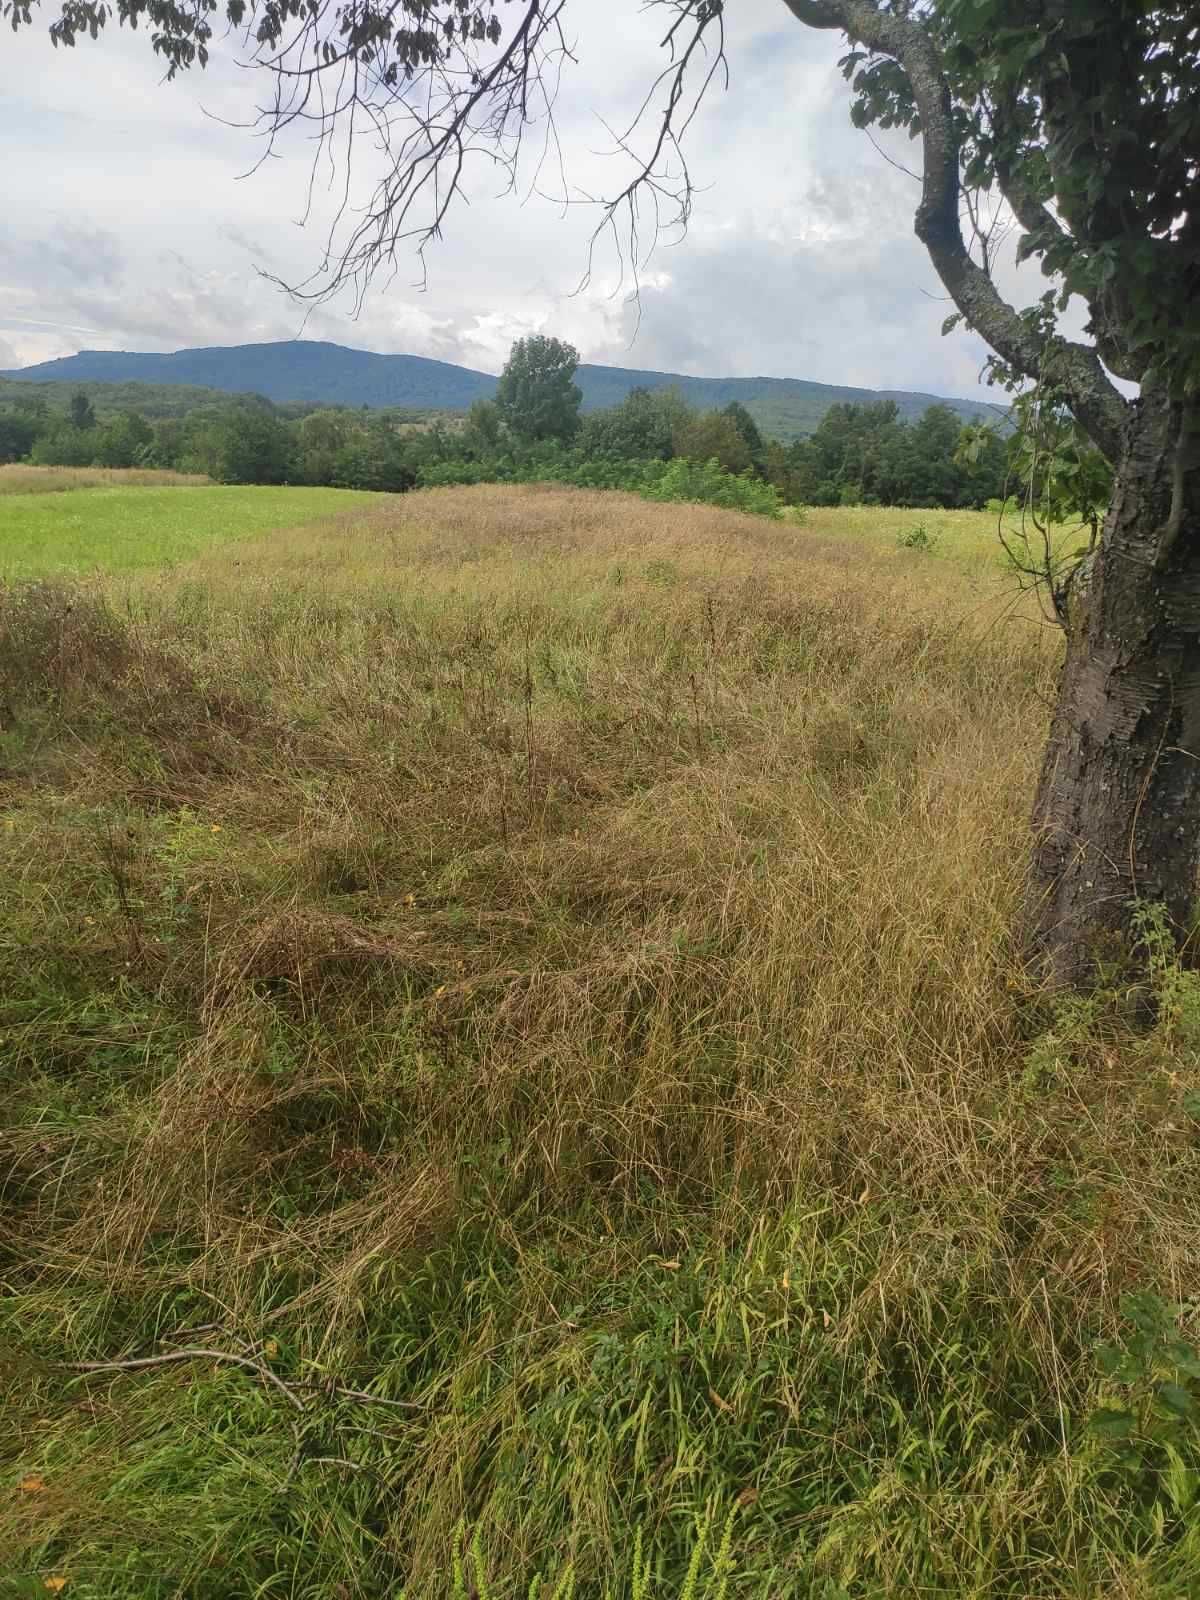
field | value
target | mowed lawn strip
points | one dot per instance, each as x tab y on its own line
120	530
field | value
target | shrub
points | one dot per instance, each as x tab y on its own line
699	483
918	538
708	484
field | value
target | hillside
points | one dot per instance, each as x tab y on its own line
315	372
297	370
153	400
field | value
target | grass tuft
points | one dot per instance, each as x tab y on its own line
532	975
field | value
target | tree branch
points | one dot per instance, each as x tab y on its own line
1093	397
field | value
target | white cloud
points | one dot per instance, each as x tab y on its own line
125	224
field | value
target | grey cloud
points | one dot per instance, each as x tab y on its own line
859	314
124	216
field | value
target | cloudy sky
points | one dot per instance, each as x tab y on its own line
127	223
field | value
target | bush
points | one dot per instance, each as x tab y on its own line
708	484
64	446
918	538
699	483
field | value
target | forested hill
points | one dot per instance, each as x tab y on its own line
330	374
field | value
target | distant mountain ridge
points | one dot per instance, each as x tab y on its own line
315	372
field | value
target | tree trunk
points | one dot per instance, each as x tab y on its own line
1117	814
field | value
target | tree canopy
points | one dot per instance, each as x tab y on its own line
537	397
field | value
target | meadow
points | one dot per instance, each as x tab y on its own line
520	1077
74	521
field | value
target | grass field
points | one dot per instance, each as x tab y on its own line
118	529
969	537
17	478
524	982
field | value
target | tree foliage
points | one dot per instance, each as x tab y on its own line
858	453
80	412
713	436
1084	118
865	455
748	428
537	397
642	427
124	441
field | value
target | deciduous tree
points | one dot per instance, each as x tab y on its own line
537	397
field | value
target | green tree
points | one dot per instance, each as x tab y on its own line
936	477
642	427
169	444
537	397
249	444
124	441
713	436
61	444
320	438
80	411
374	456
785	468
482	433
1082	115
18	430
748	428
983	456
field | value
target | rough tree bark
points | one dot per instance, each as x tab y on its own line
1117	813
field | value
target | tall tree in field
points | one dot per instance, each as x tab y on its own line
1082	114
537	396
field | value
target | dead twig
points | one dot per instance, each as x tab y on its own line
196	1354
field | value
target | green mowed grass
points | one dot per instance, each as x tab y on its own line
124	529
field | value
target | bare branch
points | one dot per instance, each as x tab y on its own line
192	1355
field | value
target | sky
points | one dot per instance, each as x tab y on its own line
129	222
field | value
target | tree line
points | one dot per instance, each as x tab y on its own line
858	455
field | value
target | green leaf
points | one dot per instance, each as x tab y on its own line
1108	1359
951	323
1177	1399
1108	1423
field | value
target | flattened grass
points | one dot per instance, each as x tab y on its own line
547	961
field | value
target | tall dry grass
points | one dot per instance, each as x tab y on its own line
549	961
17	478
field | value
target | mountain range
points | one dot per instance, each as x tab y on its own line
317	373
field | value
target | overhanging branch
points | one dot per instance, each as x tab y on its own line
1096	402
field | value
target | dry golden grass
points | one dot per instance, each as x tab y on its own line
16	478
551	958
